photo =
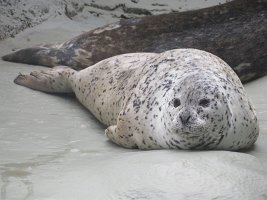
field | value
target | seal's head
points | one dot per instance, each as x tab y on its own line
198	112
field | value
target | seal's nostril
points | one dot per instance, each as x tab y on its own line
185	118
188	118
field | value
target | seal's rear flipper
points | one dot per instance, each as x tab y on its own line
57	80
44	56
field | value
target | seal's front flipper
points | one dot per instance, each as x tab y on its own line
55	80
117	136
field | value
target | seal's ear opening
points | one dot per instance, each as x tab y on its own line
176	102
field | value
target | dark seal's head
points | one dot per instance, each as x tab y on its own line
198	113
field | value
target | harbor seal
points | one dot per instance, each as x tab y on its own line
178	99
219	30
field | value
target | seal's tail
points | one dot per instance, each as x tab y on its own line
56	80
42	55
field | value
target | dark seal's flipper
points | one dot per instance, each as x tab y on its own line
235	31
49	56
34	55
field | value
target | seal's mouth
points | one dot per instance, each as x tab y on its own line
190	132
195	132
189	135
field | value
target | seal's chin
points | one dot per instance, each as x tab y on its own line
191	136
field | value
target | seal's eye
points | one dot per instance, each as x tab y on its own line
204	102
176	103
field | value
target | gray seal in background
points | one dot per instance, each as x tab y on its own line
235	31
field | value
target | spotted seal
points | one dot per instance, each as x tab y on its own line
219	30
178	99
